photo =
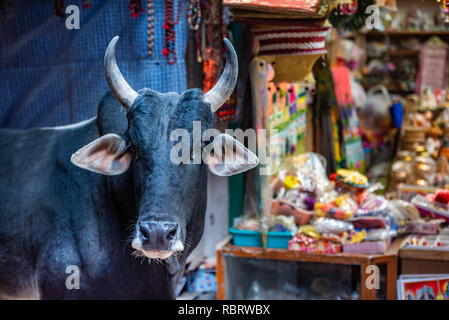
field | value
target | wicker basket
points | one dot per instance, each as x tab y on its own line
414	134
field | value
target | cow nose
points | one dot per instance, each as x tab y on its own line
158	235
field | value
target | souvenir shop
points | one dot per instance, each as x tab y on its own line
354	202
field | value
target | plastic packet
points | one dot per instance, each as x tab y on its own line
326	225
374	205
282	224
402	211
379	234
247	223
310	170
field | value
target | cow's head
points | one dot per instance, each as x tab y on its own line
168	194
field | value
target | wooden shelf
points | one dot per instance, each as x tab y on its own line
225	248
439	255
284	254
403	52
410	33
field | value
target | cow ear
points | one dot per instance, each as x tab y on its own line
225	156
107	155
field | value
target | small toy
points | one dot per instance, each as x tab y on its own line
358	237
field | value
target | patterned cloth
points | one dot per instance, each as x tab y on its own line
50	75
292	40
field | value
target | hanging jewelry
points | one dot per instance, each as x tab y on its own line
169	27
150	27
59	7
135	7
193	13
87	4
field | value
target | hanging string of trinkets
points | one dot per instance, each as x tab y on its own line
193	14
150	27
211	51
169	27
59	8
135	8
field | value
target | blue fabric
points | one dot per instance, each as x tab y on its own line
50	75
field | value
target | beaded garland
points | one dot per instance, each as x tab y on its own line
193	13
135	7
169	27
150	27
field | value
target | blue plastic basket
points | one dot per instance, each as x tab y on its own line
246	238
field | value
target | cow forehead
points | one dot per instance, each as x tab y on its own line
171	109
155	116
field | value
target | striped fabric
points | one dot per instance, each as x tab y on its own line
50	75
291	40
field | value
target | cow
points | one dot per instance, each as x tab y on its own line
97	209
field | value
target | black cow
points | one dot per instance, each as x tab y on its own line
117	201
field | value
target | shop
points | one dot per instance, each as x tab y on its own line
353	200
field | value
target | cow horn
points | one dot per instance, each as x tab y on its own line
117	83
222	90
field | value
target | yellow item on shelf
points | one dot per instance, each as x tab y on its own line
310	231
352	177
291	182
358	236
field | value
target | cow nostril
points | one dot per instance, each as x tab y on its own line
144	233
171	234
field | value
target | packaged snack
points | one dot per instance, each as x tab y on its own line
309	170
367	247
326	225
247	223
343	207
374	205
403	210
430	208
283	224
423	227
368	222
309	231
305	243
379	234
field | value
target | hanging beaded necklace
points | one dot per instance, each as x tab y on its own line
135	7
193	13
59	8
150	27
169	27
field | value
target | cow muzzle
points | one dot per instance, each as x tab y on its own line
158	239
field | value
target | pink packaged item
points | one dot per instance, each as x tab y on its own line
367	247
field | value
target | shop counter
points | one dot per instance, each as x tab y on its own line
419	261
254	273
